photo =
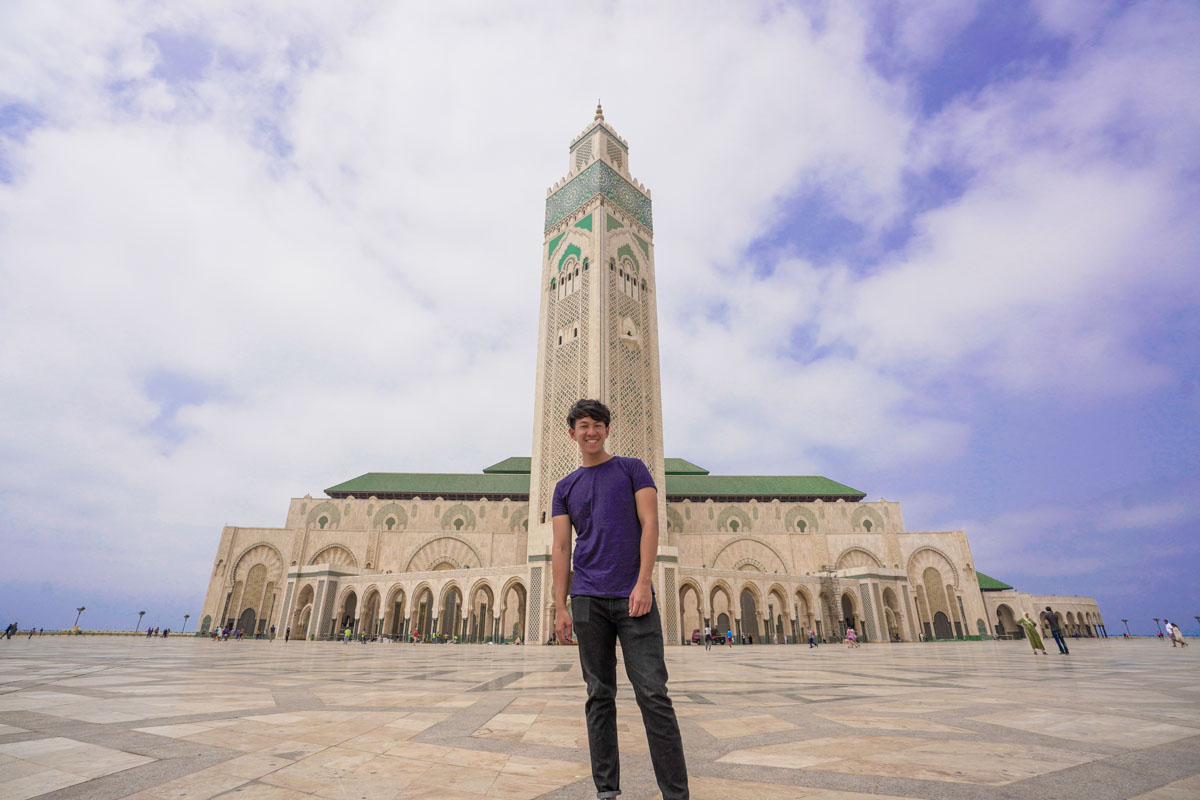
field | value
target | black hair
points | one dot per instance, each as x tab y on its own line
589	408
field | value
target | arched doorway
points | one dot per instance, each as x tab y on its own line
451	612
749	614
346	617
482	606
892	615
370	615
804	615
849	618
424	609
246	621
1006	623
780	616
204	626
512	611
689	610
394	621
303	612
722	608
941	626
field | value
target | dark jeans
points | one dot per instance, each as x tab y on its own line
599	623
1058	640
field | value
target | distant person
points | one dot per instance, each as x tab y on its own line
812	638
708	637
1054	620
1031	633
287	634
32	631
1175	634
729	637
851	638
272	633
10	630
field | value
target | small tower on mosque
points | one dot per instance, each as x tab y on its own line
598	332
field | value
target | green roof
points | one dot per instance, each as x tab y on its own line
523	465
510	478
429	484
989	584
677	466
516	465
761	486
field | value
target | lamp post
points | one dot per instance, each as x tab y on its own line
139	625
186	617
1126	626
79	613
1157	626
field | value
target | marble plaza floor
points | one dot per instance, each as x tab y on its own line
188	719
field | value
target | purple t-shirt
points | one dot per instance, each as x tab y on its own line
608	535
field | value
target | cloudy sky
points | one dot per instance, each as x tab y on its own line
943	252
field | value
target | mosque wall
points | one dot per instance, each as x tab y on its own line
1080	615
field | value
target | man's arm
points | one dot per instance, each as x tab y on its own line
647	510
561	564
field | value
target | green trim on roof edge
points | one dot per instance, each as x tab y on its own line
503	480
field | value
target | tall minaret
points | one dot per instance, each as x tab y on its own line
598	335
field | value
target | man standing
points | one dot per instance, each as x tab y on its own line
1052	619
613	505
707	637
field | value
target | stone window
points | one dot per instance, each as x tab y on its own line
801	525
867	525
322	522
391	523
733	525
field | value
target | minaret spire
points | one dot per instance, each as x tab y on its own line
599	112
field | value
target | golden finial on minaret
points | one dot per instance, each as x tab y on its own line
599	113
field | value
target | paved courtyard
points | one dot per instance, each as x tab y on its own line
111	717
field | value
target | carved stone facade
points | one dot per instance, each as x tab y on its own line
467	556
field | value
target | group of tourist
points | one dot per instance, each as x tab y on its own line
154	632
16	628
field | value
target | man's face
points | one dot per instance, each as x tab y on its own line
590	435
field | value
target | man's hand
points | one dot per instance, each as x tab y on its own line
640	599
563	625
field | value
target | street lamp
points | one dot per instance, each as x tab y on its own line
186	617
79	614
1126	626
139	625
1157	626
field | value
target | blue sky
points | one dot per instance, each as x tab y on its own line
942	252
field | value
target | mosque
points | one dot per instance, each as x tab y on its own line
467	556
